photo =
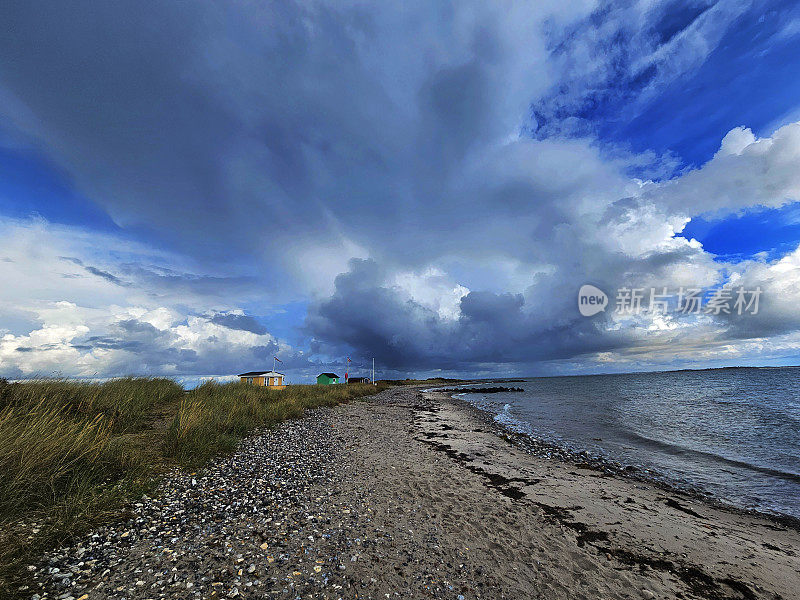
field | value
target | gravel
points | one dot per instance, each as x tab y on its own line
407	496
265	521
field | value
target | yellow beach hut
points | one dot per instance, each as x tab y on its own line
271	379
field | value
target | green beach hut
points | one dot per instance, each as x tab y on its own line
327	378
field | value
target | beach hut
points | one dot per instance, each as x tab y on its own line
358	380
327	378
270	379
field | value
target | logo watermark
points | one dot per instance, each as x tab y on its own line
591	300
634	301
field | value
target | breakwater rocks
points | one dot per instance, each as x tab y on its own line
480	390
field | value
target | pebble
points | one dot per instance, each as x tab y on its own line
196	531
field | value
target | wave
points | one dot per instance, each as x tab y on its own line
554	420
504	417
678	450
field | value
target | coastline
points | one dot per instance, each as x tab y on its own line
544	449
406	494
623	513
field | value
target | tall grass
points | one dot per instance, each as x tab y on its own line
72	453
127	402
212	417
57	436
45	456
69	457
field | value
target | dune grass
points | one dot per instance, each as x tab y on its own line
72	453
67	460
58	437
127	402
212	417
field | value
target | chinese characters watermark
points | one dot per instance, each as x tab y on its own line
661	300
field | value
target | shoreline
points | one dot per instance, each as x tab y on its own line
540	448
741	524
401	495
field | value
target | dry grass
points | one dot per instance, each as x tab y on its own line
213	417
65	460
45	455
73	453
127	402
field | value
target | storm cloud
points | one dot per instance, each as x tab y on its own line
421	182
490	328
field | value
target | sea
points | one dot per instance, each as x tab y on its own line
731	434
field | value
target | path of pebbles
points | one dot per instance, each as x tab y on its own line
265	521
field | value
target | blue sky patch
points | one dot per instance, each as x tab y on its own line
29	186
773	231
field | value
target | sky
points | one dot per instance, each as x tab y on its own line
189	189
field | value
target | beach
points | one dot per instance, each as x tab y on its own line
416	495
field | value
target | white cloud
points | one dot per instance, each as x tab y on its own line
735	141
79	309
434	290
746	172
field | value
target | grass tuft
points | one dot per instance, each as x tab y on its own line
127	402
45	455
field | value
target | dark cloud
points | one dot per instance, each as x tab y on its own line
98	272
776	313
265	353
238	321
268	143
110	343
39	348
376	320
199	127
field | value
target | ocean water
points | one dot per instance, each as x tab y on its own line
731	433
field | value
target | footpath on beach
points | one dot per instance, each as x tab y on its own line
407	495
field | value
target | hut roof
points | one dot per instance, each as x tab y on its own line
259	373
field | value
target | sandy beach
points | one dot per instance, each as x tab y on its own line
413	495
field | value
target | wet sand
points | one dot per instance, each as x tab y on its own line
412	495
545	528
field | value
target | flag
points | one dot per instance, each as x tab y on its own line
278	359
